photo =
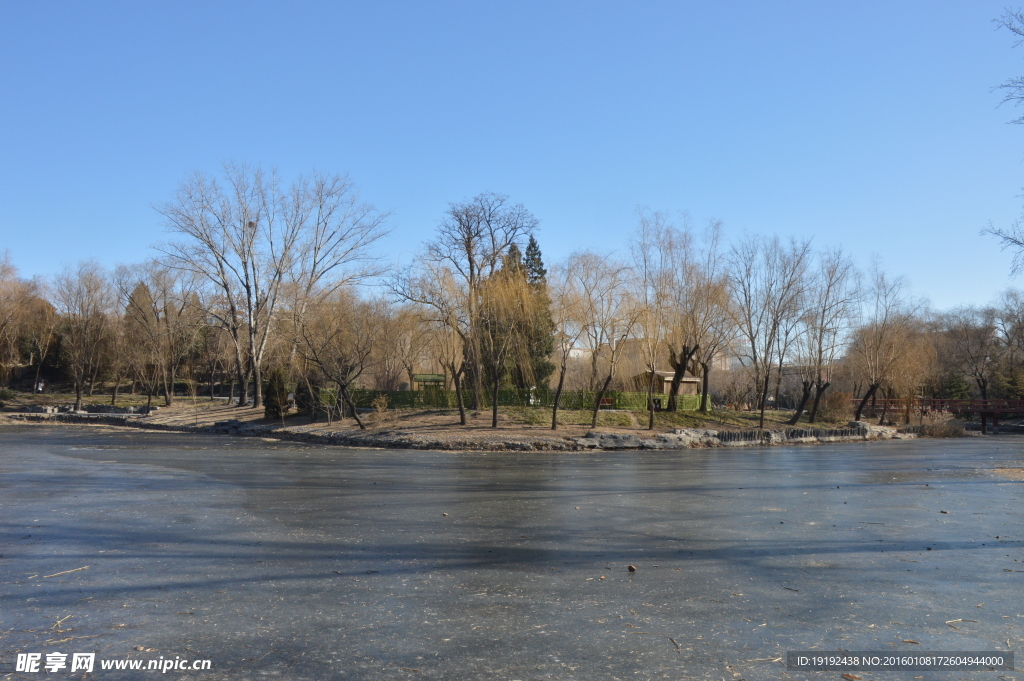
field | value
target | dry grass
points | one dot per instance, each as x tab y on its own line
944	430
439	424
941	424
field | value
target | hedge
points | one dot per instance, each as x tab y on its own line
571	399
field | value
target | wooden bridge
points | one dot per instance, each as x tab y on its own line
985	409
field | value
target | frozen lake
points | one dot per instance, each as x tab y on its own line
304	562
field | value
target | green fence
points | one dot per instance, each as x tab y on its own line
571	399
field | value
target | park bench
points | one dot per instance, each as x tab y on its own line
608	402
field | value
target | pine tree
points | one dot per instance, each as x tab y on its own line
535	272
512	261
542	337
275	395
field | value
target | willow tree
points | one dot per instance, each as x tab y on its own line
338	338
882	341
569	322
694	296
509	317
16	298
608	313
471	242
653	266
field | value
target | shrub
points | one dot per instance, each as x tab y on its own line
275	395
941	424
947	429
836	406
307	397
380	405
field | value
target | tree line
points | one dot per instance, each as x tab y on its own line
266	288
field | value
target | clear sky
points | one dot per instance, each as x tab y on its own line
867	125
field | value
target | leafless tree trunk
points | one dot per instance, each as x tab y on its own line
767	279
830	305
472	239
16	299
568	317
880	344
506	319
84	300
338	338
654	266
252	241
607	310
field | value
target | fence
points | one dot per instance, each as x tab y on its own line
571	399
972	406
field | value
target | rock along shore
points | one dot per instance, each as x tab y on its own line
683	438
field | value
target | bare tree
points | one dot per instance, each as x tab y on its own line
975	344
336	233
767	280
654	265
436	287
41	327
1013	89
681	296
84	299
338	338
162	307
1012	237
15	297
450	354
472	239
250	239
880	343
830	307
1010	324
569	321
708	308
608	310
790	331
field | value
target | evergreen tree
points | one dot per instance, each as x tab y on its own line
1011	385
527	364
542	336
955	387
512	261
275	395
535	272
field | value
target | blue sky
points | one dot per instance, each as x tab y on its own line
868	125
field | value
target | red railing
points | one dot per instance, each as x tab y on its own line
953	406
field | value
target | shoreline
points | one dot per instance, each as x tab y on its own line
682	438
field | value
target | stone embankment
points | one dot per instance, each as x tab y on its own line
684	438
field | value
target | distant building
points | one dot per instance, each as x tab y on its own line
690	385
428	381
